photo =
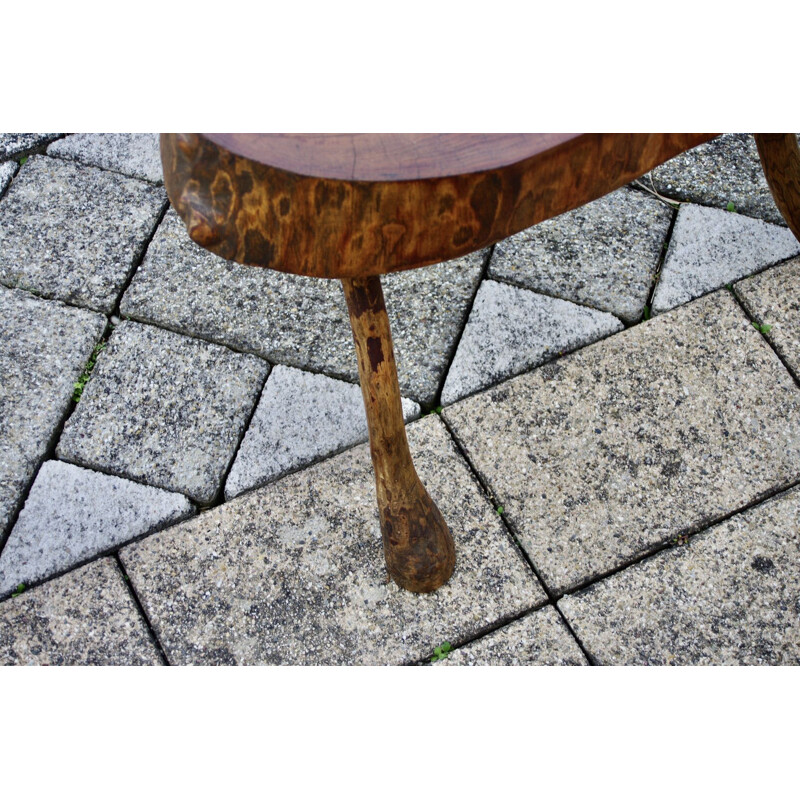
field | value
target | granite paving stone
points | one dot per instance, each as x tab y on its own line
74	232
72	514
44	346
773	299
17	145
293	573
301	417
725	170
298	321
164	409
731	595
710	248
539	639
134	154
607	453
7	171
510	330
604	255
84	618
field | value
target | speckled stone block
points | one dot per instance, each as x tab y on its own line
540	639
134	154
773	299
725	170
293	573
44	346
729	596
297	321
72	514
17	145
609	452
710	248
510	330
74	233
604	254
7	172
164	409
301	418
84	618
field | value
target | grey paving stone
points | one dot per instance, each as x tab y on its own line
773	298
729	596
726	170
710	247
300	418
609	452
17	145
603	255
300	322
134	154
540	639
84	618
74	233
44	346
163	409
7	171
72	514
510	330
294	574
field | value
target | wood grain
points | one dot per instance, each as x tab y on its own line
247	210
417	544
780	159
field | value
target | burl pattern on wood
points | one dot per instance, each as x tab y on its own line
254	213
417	544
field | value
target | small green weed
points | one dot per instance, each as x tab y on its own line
731	207
87	371
19	590
499	509
762	328
646	314
441	652
23	160
437	410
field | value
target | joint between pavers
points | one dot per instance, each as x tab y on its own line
437	401
126	579
487	630
492	498
140	256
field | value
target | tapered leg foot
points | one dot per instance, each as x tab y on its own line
419	549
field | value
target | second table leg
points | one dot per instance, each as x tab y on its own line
419	549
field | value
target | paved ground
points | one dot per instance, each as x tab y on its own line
606	408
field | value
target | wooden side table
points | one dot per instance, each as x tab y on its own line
356	206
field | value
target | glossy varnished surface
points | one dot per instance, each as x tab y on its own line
387	157
261	214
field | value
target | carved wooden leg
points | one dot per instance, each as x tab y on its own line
419	549
780	158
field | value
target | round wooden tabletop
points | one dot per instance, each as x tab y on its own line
353	205
387	157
